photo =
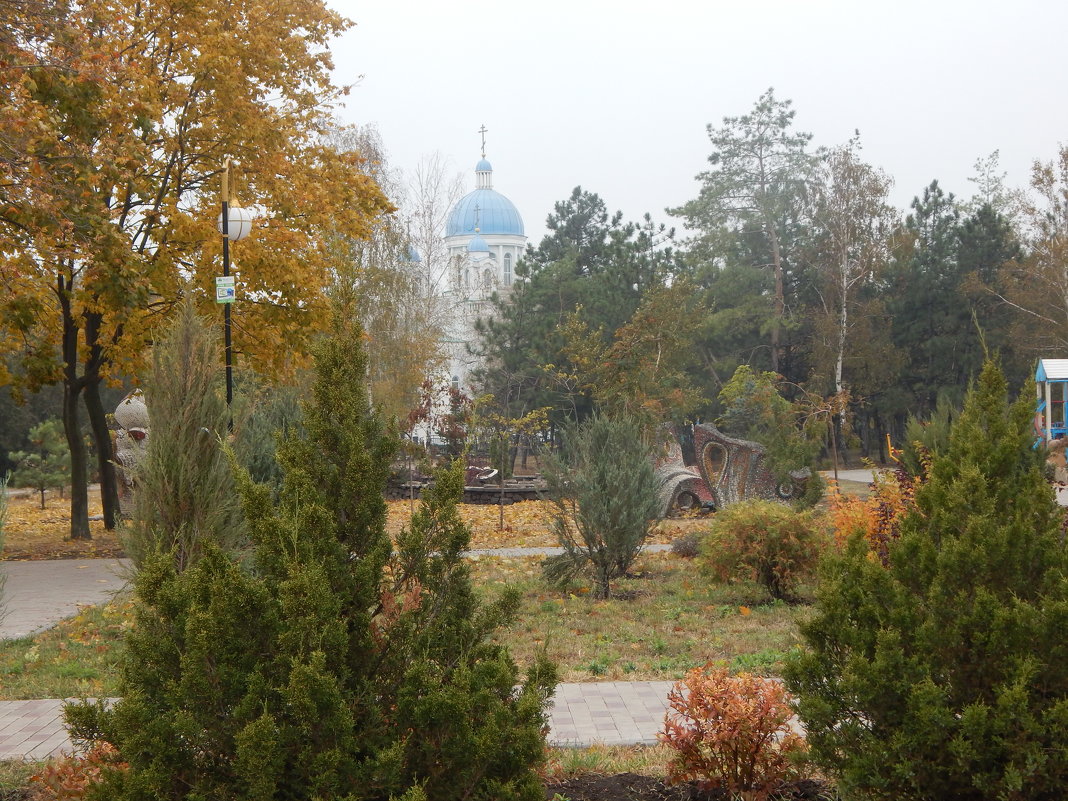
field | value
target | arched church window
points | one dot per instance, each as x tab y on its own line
456	383
487	278
507	269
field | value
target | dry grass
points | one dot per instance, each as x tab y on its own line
645	760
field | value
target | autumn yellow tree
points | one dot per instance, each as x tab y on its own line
645	368
116	124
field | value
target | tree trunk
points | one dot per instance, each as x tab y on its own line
72	388
79	472
109	487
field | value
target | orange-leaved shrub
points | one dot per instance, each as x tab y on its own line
731	733
70	778
765	541
877	517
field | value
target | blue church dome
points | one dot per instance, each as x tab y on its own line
477	245
483	166
496	215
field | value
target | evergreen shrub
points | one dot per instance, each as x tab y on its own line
47	465
328	666
605	495
944	674
767	542
267	412
184	489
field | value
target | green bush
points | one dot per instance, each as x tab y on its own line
767	542
328	667
944	674
605	495
755	409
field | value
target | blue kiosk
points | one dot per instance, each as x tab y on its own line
1051	380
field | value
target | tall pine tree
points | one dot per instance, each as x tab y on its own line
945	675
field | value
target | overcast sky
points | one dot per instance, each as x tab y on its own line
615	96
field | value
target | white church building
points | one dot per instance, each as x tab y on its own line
485	240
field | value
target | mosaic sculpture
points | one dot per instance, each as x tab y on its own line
720	470
131	440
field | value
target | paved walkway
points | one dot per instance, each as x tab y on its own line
613	713
39	594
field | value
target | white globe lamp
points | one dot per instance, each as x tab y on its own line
240	223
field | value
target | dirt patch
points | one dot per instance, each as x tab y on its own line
632	787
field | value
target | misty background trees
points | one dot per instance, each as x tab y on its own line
802	267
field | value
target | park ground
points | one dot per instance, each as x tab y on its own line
666	618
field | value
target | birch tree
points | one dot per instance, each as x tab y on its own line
1036	286
854	222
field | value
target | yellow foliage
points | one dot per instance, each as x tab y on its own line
115	191
877	517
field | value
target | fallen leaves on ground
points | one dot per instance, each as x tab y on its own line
526	524
34	533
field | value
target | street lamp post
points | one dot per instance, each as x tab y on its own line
234	224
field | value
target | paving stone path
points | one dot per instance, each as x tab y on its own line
39	594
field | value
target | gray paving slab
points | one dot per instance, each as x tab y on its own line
862	475
608	713
37	595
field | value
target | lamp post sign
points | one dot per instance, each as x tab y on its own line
234	224
224	289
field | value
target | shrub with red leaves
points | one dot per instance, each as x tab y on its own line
731	733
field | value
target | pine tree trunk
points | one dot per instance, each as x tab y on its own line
780	298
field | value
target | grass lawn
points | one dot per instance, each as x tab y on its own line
663	621
15	773
666	619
